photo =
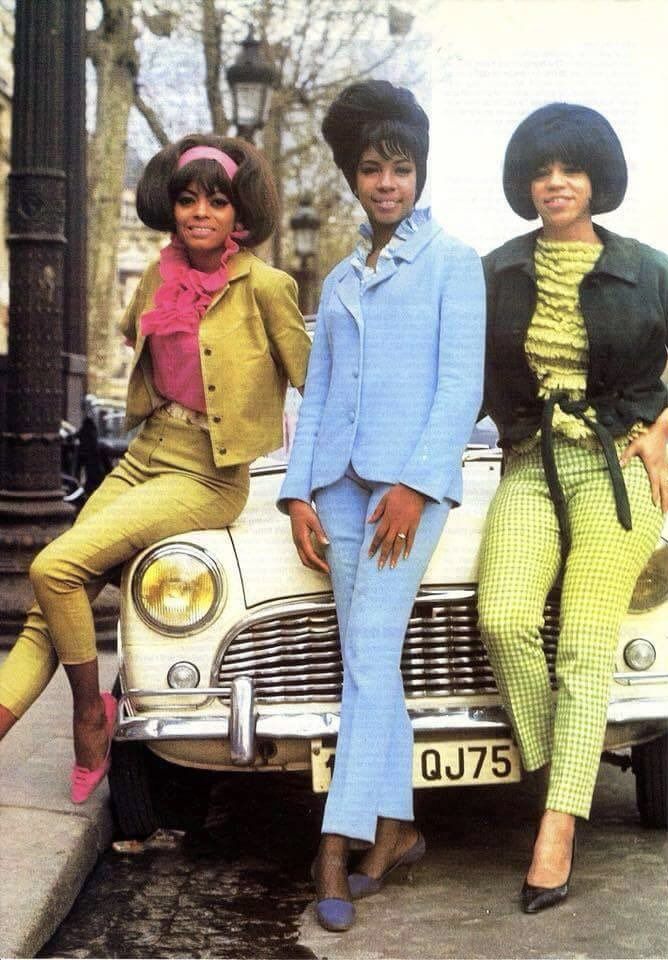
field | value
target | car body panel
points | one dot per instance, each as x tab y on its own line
263	581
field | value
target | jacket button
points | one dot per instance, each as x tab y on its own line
351	416
607	420
356	374
216	419
207	352
222	450
211	388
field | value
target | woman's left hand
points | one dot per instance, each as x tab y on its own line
651	448
398	515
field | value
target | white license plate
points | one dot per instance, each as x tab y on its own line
437	764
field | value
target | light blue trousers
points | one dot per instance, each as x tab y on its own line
373	769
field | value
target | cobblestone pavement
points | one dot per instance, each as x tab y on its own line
239	887
234	889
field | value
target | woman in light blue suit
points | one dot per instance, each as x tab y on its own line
393	388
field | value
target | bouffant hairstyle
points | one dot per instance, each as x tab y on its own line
377	114
570	134
251	190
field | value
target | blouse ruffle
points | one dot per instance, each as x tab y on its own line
556	344
185	293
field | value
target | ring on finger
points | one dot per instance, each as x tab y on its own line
401	536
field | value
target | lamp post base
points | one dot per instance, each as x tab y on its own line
28	521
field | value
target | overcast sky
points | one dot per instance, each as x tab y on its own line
494	61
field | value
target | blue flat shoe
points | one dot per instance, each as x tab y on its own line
335	914
361	885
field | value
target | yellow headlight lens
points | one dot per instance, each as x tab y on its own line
178	589
651	587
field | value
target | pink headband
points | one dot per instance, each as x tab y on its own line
209	153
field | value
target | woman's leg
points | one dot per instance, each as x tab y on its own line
601	571
519	562
342	509
32	661
120	520
373	707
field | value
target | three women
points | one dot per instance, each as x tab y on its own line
216	335
393	389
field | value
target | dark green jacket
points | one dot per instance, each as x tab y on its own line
624	302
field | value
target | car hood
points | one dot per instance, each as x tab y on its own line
271	570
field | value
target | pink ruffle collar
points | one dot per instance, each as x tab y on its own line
185	293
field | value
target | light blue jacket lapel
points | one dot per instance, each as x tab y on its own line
348	290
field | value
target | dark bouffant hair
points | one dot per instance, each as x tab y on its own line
377	114
251	191
569	134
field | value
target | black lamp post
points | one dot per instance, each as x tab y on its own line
47	295
251	80
305	224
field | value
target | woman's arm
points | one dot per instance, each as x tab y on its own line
436	459
297	482
284	325
651	448
306	525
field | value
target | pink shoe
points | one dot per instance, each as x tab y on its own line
84	781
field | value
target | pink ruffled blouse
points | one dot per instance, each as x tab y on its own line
172	326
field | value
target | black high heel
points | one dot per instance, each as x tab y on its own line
534	899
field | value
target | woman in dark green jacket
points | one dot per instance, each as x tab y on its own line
576	345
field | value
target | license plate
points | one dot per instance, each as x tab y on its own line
436	764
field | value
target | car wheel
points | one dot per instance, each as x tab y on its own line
131	791
650	766
148	793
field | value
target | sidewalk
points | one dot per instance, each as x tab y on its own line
47	846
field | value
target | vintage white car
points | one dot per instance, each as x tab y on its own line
229	661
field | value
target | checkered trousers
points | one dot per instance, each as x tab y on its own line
520	562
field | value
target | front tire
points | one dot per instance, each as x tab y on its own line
650	766
132	792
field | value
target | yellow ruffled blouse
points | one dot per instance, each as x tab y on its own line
556	343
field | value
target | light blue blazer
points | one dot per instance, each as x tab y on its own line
395	375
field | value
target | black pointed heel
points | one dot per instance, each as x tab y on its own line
534	899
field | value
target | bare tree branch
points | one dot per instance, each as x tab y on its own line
152	119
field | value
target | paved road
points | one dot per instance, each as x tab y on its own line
239	888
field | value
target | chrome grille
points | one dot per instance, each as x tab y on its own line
295	657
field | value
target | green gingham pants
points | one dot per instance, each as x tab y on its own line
519	564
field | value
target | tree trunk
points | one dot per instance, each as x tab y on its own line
272	141
212	34
113	53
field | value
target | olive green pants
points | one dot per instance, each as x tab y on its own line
520	561
166	484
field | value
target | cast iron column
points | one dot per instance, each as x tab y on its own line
32	511
75	309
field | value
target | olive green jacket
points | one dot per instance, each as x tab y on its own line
252	340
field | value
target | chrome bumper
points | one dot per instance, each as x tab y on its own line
245	725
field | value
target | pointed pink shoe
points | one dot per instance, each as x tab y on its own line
84	781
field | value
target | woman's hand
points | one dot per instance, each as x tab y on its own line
398	515
306	525
651	448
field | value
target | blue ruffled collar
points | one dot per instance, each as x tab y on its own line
405	230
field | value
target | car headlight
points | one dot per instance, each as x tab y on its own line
651	587
178	588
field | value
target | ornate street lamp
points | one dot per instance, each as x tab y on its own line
305	224
251	80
